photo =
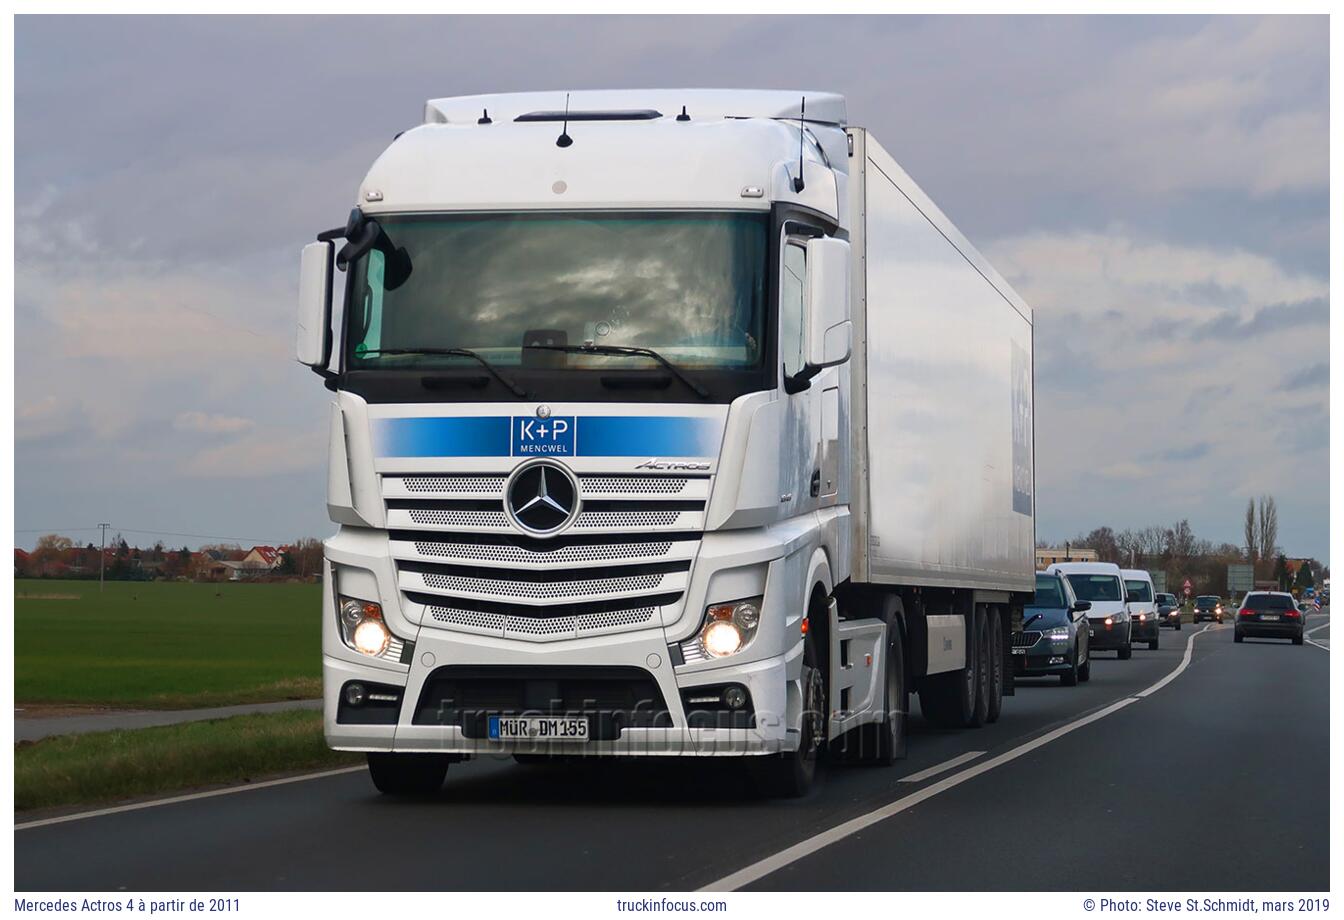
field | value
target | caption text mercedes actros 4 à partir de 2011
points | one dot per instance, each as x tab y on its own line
665	422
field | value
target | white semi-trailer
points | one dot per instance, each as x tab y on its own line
666	422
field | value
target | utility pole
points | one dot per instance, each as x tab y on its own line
102	554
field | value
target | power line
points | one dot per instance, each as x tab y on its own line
151	533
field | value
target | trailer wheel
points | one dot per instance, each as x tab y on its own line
982	644
789	775
996	667
408	774
948	700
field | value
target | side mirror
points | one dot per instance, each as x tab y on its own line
313	343
829	331
1081	606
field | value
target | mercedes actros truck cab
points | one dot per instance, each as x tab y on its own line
665	422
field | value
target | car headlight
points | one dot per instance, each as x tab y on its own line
1058	634
362	626
1121	617
729	628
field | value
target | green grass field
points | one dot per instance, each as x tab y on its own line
106	766
165	645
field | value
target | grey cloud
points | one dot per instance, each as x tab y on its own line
1316	375
1273	318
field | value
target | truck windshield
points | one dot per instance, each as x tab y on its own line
690	285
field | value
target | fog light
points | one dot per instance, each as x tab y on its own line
721	638
734	697
355	694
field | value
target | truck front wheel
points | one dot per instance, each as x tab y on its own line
789	775
408	774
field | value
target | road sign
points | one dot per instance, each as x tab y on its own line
1240	579
1186	586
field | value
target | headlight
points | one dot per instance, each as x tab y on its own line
729	628
362	627
1058	634
1121	617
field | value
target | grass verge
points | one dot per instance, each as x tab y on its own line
106	766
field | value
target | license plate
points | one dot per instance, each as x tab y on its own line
1269	617
1019	651
1091	632
537	728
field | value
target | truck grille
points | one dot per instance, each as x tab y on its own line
627	555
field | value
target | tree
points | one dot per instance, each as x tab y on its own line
1250	533
1305	579
1281	574
1180	541
1267	537
1102	540
51	550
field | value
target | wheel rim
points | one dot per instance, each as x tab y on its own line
813	701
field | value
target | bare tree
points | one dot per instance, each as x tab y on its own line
1180	541
1250	533
1268	536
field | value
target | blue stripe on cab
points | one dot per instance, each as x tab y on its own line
464	436
648	436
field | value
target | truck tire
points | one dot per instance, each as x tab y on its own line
948	700
982	645
408	774
789	775
996	667
883	743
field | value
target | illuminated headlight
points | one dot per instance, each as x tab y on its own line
362	627
729	628
1058	634
1143	617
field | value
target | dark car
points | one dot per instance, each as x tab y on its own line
1169	610
1054	634
1269	615
1209	607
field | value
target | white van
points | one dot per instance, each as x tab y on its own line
1142	602
1101	584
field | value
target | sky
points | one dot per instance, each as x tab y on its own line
1155	187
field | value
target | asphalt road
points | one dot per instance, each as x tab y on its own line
1217	781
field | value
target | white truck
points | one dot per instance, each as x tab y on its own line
666	422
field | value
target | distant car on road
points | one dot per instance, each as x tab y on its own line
1108	620
1270	615
1142	607
1169	611
1209	607
1054	634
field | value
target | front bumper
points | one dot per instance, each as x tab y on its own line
1144	631
1102	639
1053	661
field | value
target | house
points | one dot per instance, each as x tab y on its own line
21	561
1047	556
262	557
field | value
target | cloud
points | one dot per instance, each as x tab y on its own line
205	423
1307	378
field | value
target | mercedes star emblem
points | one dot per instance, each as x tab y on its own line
542	497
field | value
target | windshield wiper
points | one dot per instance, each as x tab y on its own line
457	353
627	350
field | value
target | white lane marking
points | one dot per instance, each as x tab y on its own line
773	863
764	867
941	768
1317	644
45	822
1185	663
1325	625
